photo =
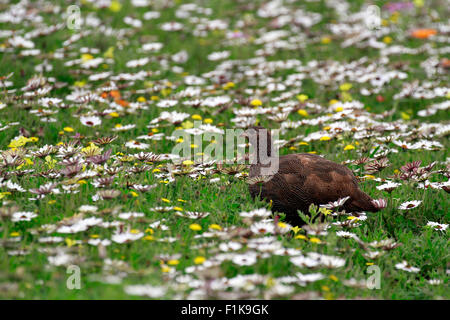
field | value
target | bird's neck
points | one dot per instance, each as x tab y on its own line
261	157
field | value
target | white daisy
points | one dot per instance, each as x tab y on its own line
23	216
90	121
405	266
410	205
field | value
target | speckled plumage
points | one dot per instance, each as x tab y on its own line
303	179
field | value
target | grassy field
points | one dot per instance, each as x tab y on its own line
88	108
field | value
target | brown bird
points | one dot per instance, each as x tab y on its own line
302	179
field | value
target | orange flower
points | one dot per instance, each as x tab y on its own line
423	33
445	63
115	94
123	103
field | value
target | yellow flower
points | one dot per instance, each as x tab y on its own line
303	112
301	236
149	230
166	91
387	40
149	238
302	97
196	117
215	227
4	194
325	211
208	120
86	57
188	162
199	260
315	240
333	101
134	194
228	85
181	200
155	130
419	3
303	143
256	102
165	200
334	278
187	124
177	209
91	150
109	54
141	99
339	109
179	140
195	227
154	98
50	162
165	269
270	282
345	86
79	83
349	147
282	225
296	229
126	159
325	138
14	234
134	231
70	242
173	262
51	201
405	116
394	17
114	114
68	129
325	40
115	6
18	142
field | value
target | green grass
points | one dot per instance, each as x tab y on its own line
31	276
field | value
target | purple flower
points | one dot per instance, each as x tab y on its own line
398	6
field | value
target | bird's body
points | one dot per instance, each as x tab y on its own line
305	179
